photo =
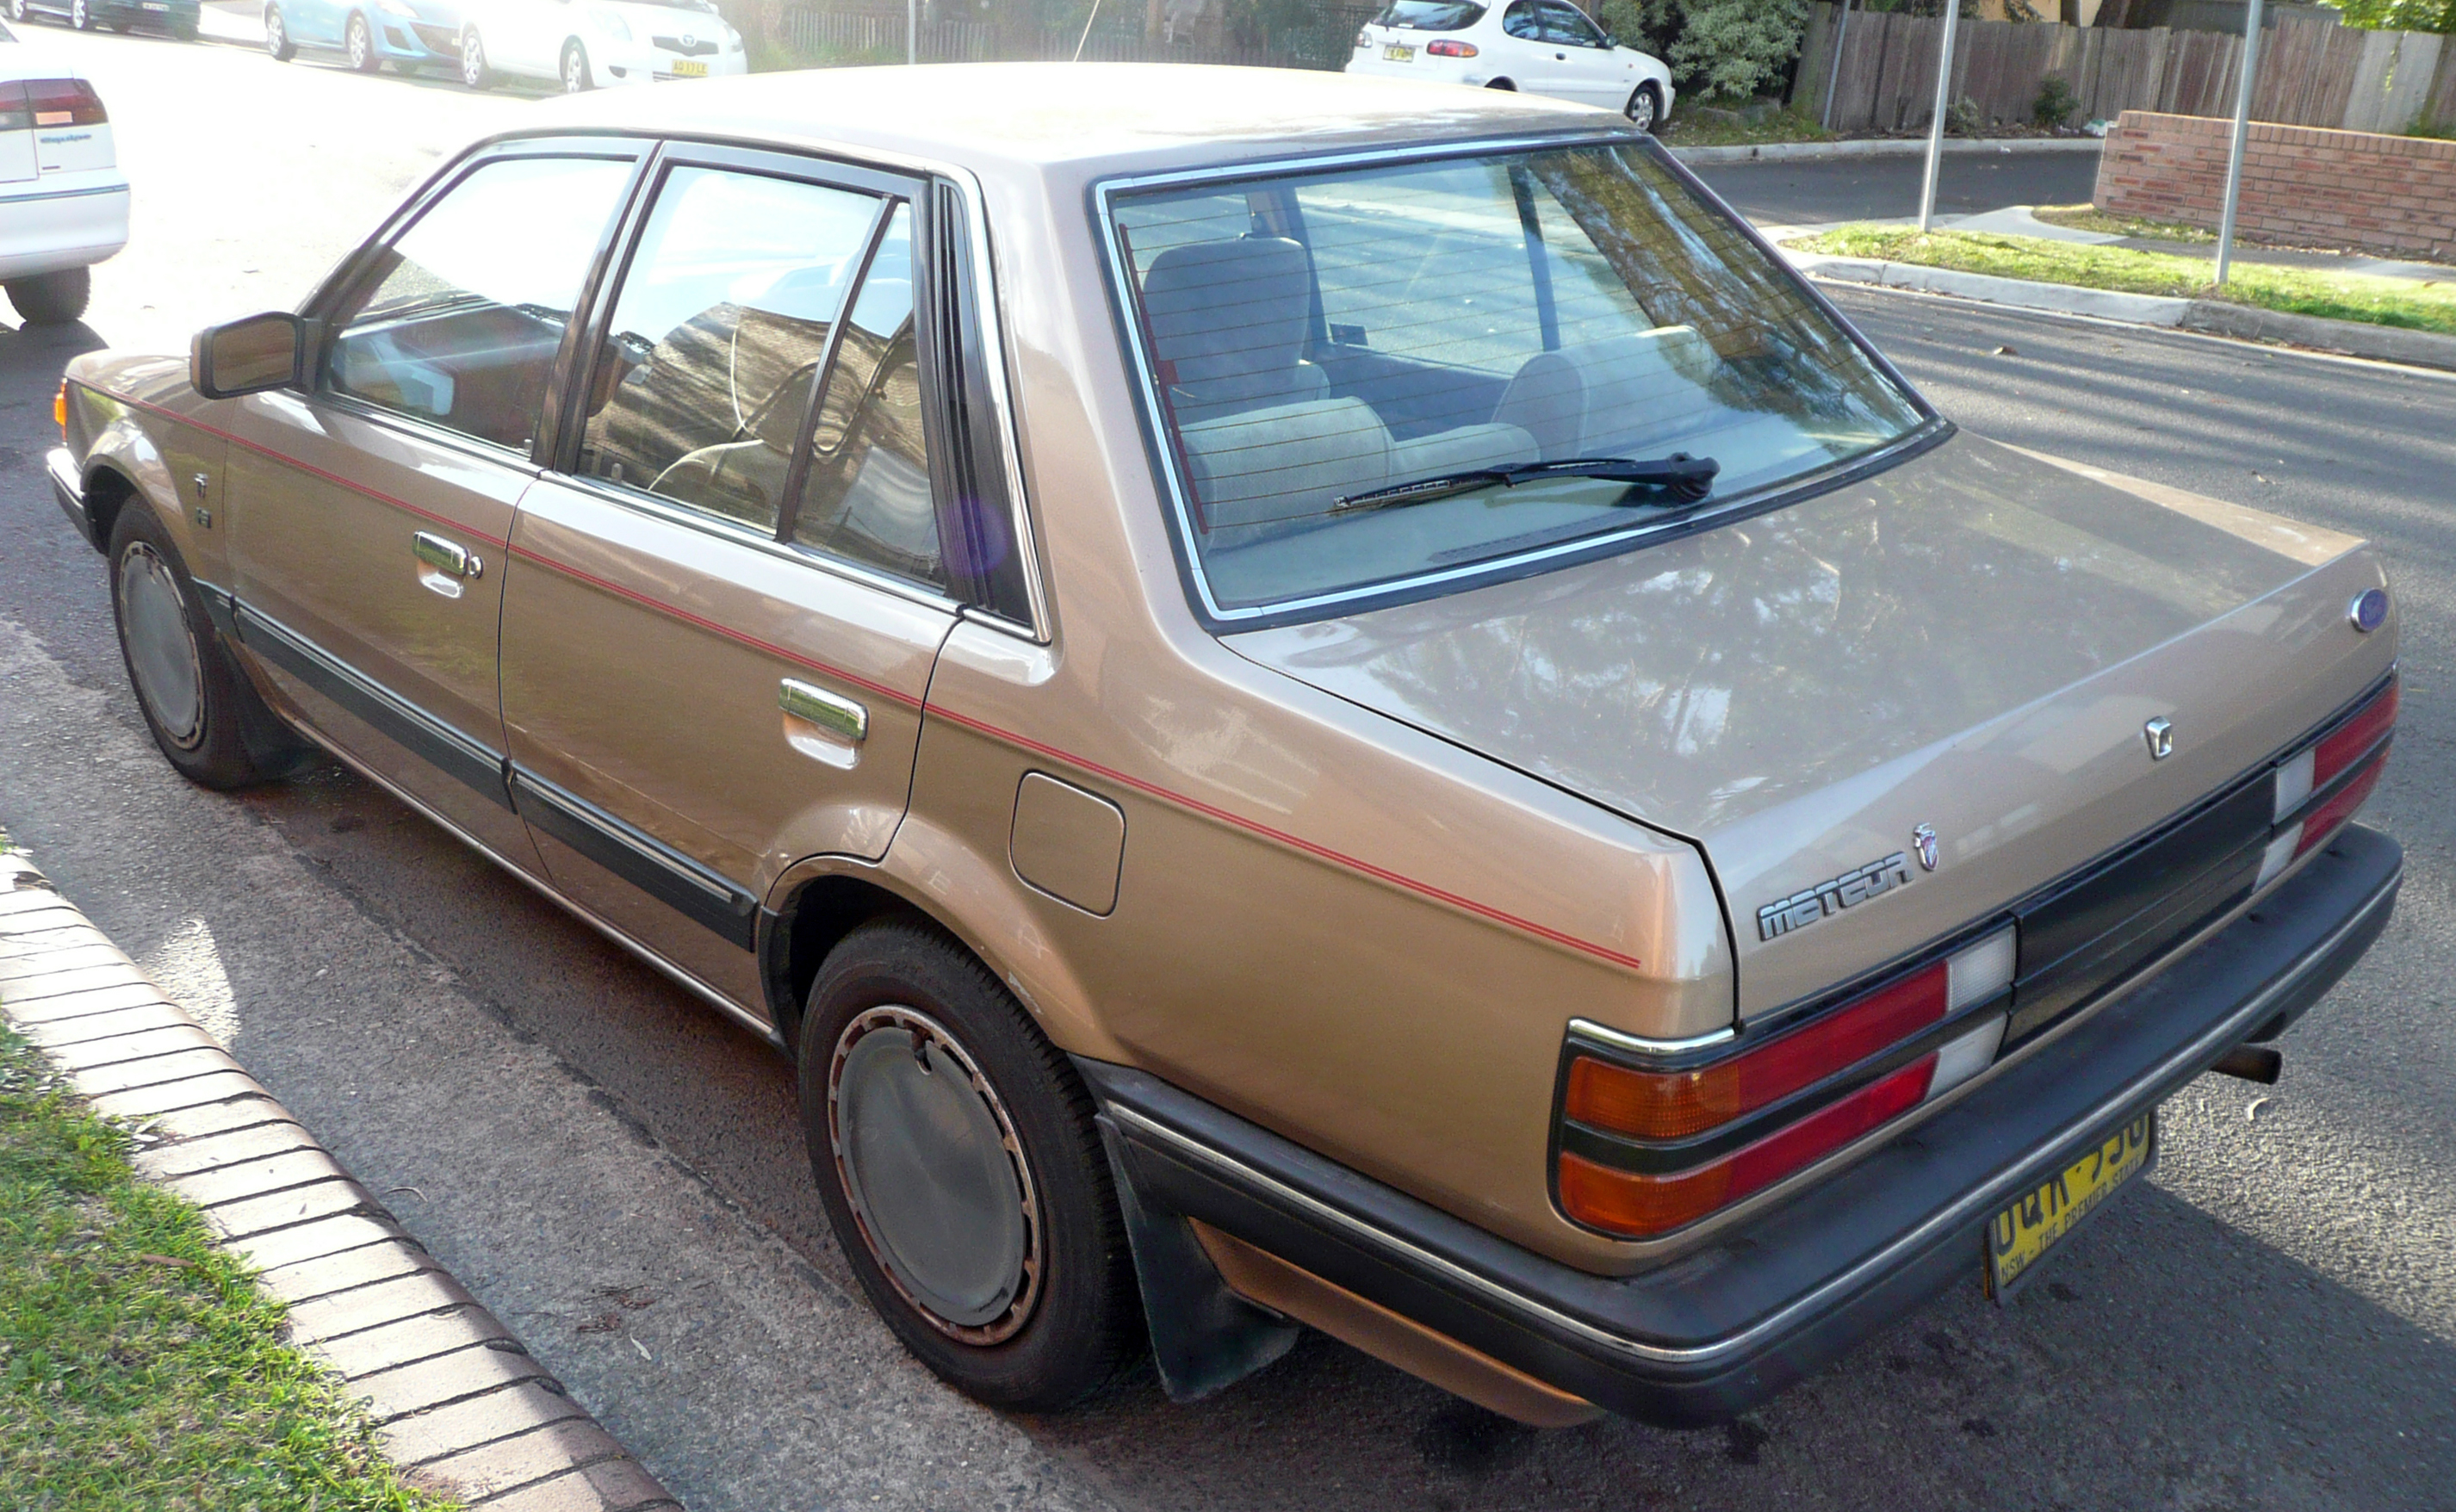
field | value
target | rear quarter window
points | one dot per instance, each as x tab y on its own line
1430	15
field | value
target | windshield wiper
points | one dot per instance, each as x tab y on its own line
1684	477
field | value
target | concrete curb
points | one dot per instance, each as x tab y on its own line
460	1402
2381	343
1790	151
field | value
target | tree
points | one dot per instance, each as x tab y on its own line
1730	48
2398	16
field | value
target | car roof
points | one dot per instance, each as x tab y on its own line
1099	117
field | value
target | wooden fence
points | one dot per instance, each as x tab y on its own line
2312	72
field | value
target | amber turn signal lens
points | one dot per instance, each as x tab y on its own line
1673	1105
60	409
1639	1206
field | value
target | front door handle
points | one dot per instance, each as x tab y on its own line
445	556
822	725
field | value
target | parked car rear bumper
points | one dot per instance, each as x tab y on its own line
1730	1323
46	228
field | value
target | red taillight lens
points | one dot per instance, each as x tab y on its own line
1363	38
65	102
1450	50
2345	744
1634	1204
1673	1105
2325	820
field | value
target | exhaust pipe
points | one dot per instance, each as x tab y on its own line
2257	1063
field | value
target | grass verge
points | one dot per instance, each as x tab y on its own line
2089	217
1695	125
2293	291
139	1365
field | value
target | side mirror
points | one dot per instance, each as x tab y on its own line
245	357
1610	41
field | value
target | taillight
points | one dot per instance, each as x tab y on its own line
65	102
1644	1152
1450	50
1364	37
2358	745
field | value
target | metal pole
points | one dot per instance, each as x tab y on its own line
2242	136
1935	128
1834	73
911	31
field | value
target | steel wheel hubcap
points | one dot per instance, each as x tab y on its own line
573	71
936	1174
161	650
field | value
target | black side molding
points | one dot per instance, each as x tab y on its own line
1716	1328
656	868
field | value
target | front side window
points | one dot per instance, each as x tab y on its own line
1348	361
459	322
703	384
1567	25
1430	15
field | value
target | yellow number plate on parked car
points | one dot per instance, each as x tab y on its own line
690	71
1399	52
2022	1233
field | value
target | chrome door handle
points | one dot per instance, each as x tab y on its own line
445	556
838	716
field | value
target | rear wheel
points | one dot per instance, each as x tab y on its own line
956	1156
474	72
276	35
16	9
80	16
575	68
360	39
1502	84
1644	108
201	709
52	298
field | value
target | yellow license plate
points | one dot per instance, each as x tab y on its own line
1397	53
690	71
2022	1233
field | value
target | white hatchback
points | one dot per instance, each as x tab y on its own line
588	44
63	201
1541	47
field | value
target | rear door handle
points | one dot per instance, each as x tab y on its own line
824	726
445	556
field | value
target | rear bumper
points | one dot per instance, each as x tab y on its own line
53	228
1726	1325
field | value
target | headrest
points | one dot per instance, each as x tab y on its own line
1228	309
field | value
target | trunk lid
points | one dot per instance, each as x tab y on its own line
1972	641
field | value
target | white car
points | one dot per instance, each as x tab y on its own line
1541	47
63	201
587	44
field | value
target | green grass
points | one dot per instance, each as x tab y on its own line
140	1366
1707	126
2294	291
2089	217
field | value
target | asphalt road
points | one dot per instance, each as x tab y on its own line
1820	191
2269	1322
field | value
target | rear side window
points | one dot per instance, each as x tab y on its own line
459	322
704	380
1430	15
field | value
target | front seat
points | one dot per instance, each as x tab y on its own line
1228	323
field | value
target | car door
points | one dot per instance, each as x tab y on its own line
533	33
723	609
1527	56
1589	71
369	509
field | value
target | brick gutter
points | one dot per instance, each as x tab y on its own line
2380	343
457	1400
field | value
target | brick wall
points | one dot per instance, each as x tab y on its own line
2393	195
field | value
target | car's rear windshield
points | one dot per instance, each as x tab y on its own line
1430	15
1315	340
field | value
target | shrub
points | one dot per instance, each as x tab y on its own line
1733	50
2057	102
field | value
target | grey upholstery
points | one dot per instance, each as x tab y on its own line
1228	322
1605	399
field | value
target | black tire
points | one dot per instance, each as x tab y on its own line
276	35
52	298
1075	1318
1644	108
1502	84
231	740
358	40
575	68
183	31
474	72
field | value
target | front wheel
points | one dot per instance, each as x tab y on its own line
1644	108
957	1160
201	709
276	35
80	16
362	44
52	298
474	72
574	69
